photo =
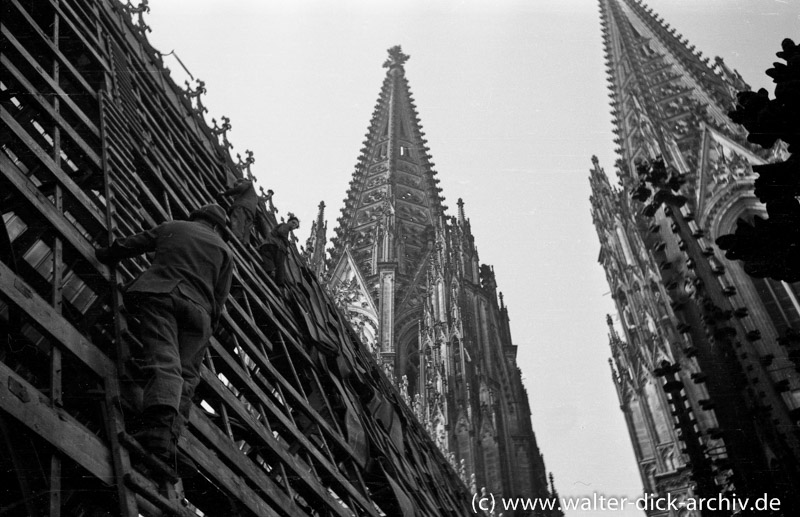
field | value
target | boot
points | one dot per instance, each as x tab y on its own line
156	433
184	465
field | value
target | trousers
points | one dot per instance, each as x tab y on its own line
273	258
241	223
175	332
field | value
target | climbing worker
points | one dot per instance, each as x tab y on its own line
276	248
178	300
243	209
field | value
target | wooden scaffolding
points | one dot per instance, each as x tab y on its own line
292	416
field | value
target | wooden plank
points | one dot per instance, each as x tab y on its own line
199	132
60	122
52	323
170	192
98	221
46	209
89	46
226	478
120	155
150	493
181	112
25	403
232	402
245	466
179	149
56	52
191	193
297	401
56	89
241	332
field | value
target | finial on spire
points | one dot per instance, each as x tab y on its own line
553	492
320	222
612	332
396	58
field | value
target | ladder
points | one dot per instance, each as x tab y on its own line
159	489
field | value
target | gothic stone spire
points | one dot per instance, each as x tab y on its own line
662	90
393	196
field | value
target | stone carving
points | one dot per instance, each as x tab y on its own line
725	165
197	94
375	195
411	181
222	130
377	169
348	296
244	165
407	168
410	197
139	11
376	181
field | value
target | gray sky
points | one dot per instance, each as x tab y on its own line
513	99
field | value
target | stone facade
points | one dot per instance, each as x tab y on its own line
703	365
409	278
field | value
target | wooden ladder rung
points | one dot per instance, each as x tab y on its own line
136	482
149	459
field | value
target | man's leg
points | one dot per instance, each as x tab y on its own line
248	225
158	332
280	268
239	225
269	254
195	331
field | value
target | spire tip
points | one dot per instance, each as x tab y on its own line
396	58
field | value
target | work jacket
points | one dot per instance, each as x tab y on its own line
245	196
190	256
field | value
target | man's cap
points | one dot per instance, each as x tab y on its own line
294	217
212	213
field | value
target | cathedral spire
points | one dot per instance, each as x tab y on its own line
314	252
410	283
393	206
686	172
663	92
394	196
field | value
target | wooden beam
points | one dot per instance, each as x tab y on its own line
48	108
54	49
41	204
223	475
53	324
332	472
56	89
245	466
89	206
28	405
87	45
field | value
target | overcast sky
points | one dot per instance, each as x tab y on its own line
513	99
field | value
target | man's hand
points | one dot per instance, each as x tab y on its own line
104	256
109	255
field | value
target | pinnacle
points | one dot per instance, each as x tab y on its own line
396	58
